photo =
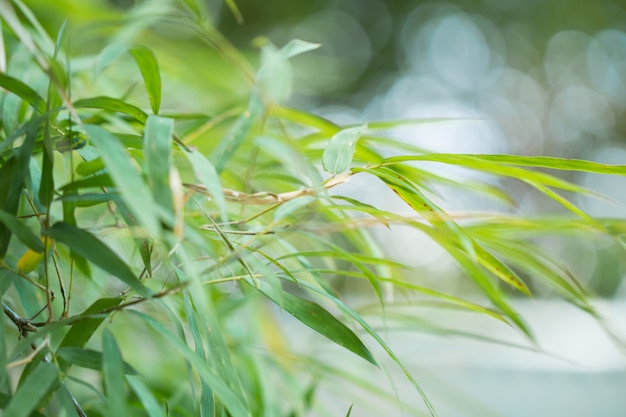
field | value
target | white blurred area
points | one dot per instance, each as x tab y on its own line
566	98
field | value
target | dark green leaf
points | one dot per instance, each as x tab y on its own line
320	320
82	330
89	247
33	390
87	358
149	68
22	231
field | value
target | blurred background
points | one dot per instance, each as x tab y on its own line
534	77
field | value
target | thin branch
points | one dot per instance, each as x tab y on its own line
266	197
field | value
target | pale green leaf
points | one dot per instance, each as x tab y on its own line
208	176
134	191
338	155
297	47
158	160
113	375
230	400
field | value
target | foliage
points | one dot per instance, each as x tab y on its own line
128	231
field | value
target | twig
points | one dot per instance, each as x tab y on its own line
266	197
23	325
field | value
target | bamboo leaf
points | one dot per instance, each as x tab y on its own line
87	358
338	155
318	319
82	330
151	74
33	390
158	160
128	181
113	105
113	375
234	138
208	176
23	232
275	76
556	163
89	247
23	91
230	400
148	402
297	47
292	206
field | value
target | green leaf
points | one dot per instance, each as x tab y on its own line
23	91
234	137
349	410
556	163
89	247
231	401
291	206
33	390
149	68
87	358
113	105
275	77
158	160
13	172
96	181
208	176
338	154
23	232
318	319
82	330
113	375
148	402
128	180
207	406
297	47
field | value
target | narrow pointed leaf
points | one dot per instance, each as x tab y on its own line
208	176
113	375
338	155
91	248
149	68
320	320
134	191
158	160
33	390
146	397
113	105
81	331
21	231
297	47
23	91
226	395
87	358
